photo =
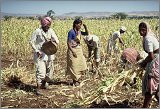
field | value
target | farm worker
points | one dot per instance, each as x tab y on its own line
131	56
150	82
112	42
93	44
43	62
76	62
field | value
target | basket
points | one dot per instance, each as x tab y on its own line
49	47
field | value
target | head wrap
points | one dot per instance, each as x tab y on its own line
46	21
123	28
89	37
149	31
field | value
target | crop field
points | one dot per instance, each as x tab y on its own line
18	81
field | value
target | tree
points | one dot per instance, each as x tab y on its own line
50	13
78	17
7	17
120	15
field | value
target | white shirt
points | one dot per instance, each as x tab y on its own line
38	39
95	39
116	35
151	43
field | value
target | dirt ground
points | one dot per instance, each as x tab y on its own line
61	94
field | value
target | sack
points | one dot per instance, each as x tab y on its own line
49	47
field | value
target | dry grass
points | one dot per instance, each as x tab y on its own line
110	88
17	74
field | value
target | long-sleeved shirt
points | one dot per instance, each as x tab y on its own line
116	35
95	40
38	39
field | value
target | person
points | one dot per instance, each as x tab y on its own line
76	63
131	56
93	44
150	82
112	42
43	62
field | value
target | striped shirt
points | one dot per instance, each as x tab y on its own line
130	54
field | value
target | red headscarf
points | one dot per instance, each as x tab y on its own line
46	21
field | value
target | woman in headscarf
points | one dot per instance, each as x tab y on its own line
76	62
150	82
43	62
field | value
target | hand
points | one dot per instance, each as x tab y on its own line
142	64
53	40
124	46
39	54
74	54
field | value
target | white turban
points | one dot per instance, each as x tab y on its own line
123	28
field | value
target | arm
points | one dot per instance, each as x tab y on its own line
69	43
86	30
121	41
86	41
32	41
149	49
149	58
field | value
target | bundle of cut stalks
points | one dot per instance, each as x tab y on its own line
125	76
111	92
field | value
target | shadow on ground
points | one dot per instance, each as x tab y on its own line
59	82
104	104
15	82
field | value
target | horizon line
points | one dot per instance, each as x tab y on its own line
84	12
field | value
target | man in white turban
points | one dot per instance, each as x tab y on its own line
93	44
43	62
113	40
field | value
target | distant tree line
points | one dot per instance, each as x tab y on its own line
51	14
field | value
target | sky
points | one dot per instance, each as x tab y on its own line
60	7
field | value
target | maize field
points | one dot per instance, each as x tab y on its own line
18	73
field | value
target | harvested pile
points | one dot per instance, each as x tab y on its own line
117	89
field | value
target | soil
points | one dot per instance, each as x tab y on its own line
61	93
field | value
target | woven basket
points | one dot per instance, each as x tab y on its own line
49	47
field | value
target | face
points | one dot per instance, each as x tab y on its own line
143	30
78	26
121	31
90	41
45	28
